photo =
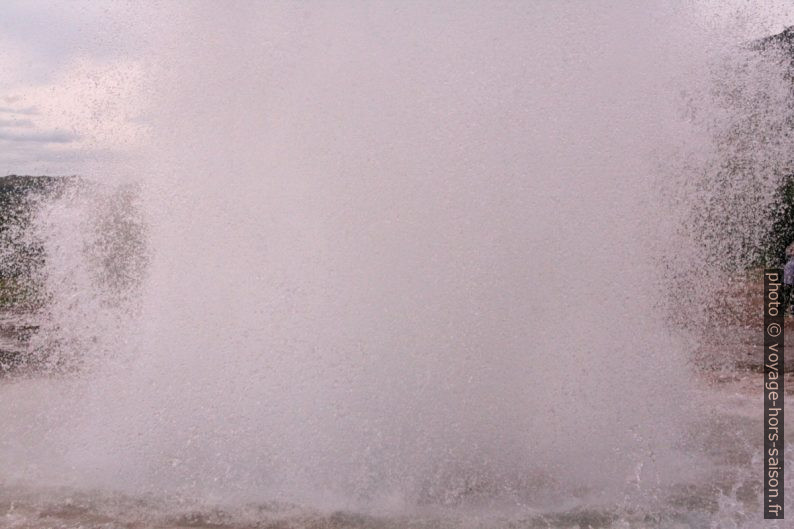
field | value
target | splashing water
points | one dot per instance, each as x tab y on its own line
397	258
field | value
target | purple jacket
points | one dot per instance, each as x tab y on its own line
788	273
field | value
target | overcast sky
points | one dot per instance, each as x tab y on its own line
72	78
70	83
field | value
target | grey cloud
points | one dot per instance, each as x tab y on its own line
54	136
37	158
51	33
19	123
28	111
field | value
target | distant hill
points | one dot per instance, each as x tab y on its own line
781	233
19	254
783	41
15	187
16	190
115	245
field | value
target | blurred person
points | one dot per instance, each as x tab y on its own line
788	278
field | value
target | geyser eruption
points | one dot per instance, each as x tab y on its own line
397	265
397	256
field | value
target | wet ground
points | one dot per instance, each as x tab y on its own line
725	440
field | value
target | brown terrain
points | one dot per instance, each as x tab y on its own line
730	350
